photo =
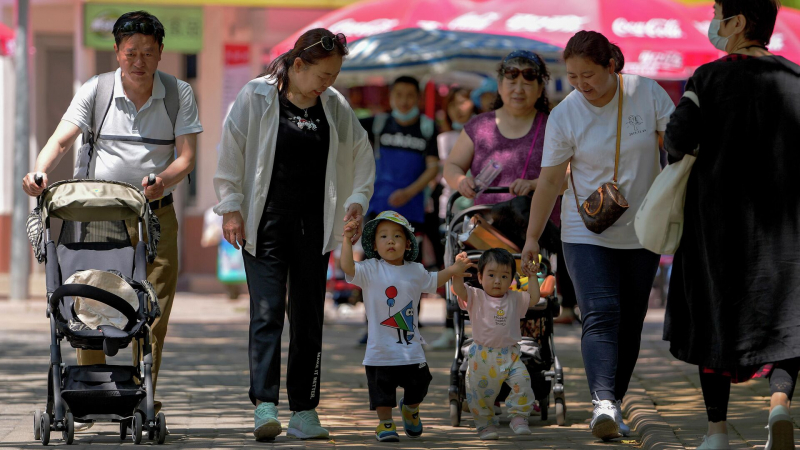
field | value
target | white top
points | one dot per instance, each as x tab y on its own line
126	160
588	134
495	321
391	299
247	154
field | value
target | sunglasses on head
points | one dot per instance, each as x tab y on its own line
328	42
138	27
529	74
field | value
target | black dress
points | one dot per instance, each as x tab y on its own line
734	297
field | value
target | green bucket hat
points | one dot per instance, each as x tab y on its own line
368	238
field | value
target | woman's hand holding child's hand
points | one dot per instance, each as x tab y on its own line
350	229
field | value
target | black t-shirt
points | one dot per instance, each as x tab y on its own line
301	159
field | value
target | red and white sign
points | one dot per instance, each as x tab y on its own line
235	74
654	35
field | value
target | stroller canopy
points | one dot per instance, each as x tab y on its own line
94	200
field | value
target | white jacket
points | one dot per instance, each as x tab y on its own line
247	154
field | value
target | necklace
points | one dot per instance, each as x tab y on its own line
304	123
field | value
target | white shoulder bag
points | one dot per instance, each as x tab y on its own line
659	221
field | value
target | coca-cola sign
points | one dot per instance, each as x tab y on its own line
532	23
653	28
652	63
353	28
473	21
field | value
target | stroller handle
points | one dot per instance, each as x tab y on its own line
95	293
456	195
38	178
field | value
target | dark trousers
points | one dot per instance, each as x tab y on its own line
289	252
717	387
613	290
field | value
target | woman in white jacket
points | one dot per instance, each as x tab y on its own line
294	166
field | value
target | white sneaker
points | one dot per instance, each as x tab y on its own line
447	340
623	429
781	430
717	441
82	426
604	420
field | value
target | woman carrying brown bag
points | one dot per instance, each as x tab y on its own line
607	130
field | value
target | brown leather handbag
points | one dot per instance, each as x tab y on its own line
606	204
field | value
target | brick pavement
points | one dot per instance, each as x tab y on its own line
205	375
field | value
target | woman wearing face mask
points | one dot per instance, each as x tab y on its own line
733	303
611	271
294	166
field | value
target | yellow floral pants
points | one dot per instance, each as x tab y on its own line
488	369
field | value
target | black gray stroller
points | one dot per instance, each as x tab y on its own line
98	298
471	231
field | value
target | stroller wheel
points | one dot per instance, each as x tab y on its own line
123	429
69	428
544	404
455	413
44	427
37	423
136	427
561	412
161	428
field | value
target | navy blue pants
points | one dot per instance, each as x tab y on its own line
613	290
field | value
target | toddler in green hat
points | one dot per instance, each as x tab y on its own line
392	285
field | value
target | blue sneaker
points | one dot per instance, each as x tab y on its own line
386	432
267	424
411	421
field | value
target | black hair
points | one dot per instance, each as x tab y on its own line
405	79
760	14
499	255
595	47
307	51
543	103
141	17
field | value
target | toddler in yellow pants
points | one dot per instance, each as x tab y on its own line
494	357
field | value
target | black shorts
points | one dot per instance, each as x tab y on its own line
383	382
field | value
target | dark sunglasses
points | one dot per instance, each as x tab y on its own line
138	27
328	42
529	74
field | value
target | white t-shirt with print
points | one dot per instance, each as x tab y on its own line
588	134
495	321
391	299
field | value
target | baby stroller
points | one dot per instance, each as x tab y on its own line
470	231
98	298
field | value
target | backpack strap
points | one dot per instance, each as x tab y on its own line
101	103
171	97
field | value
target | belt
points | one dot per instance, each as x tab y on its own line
160	203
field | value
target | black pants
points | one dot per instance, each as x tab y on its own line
289	251
717	387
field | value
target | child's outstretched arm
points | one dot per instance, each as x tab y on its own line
458	280
457	269
346	259
533	291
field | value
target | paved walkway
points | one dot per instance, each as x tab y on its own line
205	375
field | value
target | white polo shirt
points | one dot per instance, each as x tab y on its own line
131	160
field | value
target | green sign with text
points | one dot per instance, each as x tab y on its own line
183	26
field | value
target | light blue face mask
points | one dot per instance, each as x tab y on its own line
457	126
412	114
713	34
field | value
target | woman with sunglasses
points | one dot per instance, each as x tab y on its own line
512	135
294	166
613	274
